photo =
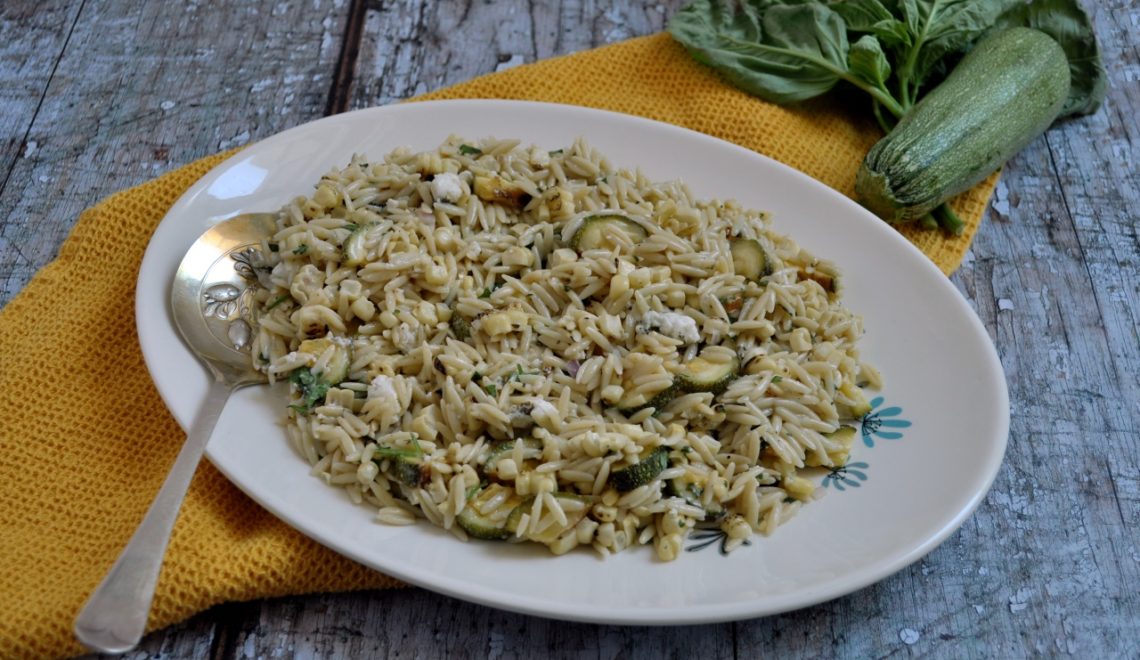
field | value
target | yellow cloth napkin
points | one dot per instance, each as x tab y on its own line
85	440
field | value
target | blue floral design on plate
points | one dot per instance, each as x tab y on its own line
707	536
851	475
880	422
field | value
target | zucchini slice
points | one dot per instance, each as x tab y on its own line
701	375
532	450
550	533
691	493
641	473
337	369
497	190
460	327
844	437
629	405
826	278
749	258
486	514
408	470
595	231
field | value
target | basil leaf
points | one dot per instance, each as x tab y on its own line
940	29
867	61
872	17
1069	25
781	53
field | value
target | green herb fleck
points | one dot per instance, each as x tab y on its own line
491	389
393	452
468	150
301	249
470	492
556	152
352	226
486	293
686	449
276	301
777	379
311	388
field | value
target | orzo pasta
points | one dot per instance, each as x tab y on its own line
522	344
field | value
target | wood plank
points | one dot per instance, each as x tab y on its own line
142	88
32	40
420	624
458	45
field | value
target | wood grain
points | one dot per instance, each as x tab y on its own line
95	97
141	87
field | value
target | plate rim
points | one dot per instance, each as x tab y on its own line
600	613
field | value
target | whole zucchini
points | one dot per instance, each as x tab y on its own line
1001	96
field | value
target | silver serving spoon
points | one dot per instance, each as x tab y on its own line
212	304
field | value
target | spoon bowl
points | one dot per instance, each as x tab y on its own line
212	300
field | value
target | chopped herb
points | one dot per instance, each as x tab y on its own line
491	389
273	247
476	377
392	452
312	389
777	379
602	180
470	492
686	449
276	301
415	440
556	152
301	249
486	293
352	226
468	150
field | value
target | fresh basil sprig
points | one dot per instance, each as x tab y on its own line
786	51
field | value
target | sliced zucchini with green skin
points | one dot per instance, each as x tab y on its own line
845	436
460	326
551	533
532	449
641	473
860	408
593	233
480	523
701	375
337	369
691	493
749	258
829	281
409	471
631	405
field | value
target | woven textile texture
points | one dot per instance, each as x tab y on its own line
85	440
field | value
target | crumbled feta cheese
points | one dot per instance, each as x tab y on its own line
539	157
381	388
405	337
674	325
542	407
446	187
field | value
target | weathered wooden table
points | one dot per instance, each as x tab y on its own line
99	96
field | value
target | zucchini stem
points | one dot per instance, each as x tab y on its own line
948	219
883	123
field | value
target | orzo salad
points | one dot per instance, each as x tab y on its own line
520	344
